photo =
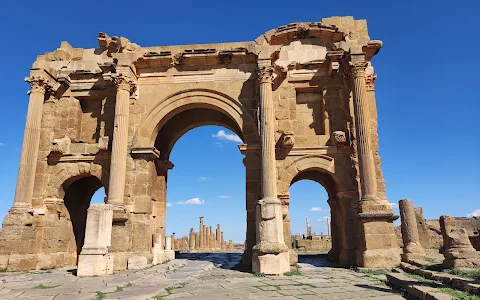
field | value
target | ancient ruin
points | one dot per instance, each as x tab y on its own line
311	241
412	247
457	248
203	240
300	96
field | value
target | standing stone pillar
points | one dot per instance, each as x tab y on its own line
94	259
118	161
197	241
222	239
173	241
446	226
200	238
217	237
31	142
412	248
270	254
379	247
191	242
210	237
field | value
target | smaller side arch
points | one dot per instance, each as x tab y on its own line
64	174
320	168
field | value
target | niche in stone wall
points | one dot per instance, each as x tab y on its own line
96	118
92	123
310	115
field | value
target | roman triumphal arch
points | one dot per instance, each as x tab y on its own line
301	97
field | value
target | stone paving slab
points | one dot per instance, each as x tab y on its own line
199	276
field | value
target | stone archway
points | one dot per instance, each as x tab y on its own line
322	169
71	188
178	113
173	104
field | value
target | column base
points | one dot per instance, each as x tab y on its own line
378	242
379	258
272	264
413	252
95	265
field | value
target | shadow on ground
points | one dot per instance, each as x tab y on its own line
224	260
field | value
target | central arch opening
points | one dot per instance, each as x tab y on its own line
208	178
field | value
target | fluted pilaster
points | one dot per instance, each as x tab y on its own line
362	125
118	163
267	129
31	140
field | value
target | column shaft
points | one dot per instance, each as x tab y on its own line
267	119
31	141
118	161
362	124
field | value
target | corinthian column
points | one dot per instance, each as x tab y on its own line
118	162
270	253
267	129
31	141
368	179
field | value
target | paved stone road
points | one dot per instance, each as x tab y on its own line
199	276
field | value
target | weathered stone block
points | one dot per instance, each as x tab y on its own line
137	262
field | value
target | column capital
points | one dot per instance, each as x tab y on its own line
358	68
124	82
266	74
38	83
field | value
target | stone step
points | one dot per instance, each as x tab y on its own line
464	284
415	288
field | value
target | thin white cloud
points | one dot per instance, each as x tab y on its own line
202	178
169	204
475	213
223	196
222	135
393	204
316	209
1	145
323	219
193	201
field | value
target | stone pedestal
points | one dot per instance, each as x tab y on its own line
412	248
270	254
94	259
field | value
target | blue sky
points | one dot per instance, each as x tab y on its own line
427	95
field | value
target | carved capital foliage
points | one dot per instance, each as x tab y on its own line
124	82
358	68
266	74
39	83
370	81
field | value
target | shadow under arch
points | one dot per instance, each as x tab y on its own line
242	122
78	195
